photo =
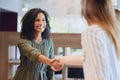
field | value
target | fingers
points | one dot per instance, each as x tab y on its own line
55	69
56	65
53	60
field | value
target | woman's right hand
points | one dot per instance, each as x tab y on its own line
56	64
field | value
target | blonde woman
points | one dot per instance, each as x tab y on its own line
100	42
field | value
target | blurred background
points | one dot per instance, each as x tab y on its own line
65	15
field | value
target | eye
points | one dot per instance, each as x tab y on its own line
37	19
43	20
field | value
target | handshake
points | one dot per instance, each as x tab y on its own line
56	64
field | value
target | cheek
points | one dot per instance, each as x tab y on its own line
35	28
45	24
44	28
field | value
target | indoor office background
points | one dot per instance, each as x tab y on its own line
65	17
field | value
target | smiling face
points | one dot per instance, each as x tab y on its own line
40	23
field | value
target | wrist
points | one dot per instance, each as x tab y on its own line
48	62
44	60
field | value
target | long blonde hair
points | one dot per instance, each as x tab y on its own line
101	12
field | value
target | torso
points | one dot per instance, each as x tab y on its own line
100	57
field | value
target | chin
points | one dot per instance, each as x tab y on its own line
40	31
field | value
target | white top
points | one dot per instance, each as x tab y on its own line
100	57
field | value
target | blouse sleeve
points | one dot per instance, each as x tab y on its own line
50	72
96	54
51	52
27	50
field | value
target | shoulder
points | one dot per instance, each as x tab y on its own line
94	31
24	41
49	40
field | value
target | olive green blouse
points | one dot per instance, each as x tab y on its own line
30	68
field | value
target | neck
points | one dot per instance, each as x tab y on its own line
38	37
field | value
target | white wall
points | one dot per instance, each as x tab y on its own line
53	7
12	5
118	6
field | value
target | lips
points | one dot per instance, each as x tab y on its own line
40	27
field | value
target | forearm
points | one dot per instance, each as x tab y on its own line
43	59
74	59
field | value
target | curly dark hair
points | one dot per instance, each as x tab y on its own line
27	28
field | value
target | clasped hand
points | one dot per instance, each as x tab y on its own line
56	64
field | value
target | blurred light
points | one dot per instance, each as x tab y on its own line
25	7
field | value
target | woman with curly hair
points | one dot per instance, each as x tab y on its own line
36	47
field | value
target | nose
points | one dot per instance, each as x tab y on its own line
40	22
